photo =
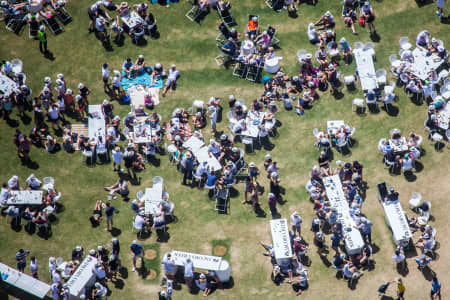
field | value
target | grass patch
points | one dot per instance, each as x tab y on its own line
152	264
222	248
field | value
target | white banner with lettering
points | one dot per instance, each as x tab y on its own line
82	275
280	238
200	261
397	221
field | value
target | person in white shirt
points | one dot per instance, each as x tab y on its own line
171	81
213	148
105	76
117	158
99	292
33	182
116	84
398	257
51	264
189	273
53	114
56	276
13	182
296	222
34	267
213	117
139	221
54	289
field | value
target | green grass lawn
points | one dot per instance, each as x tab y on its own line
191	47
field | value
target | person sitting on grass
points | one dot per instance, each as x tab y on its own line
121	187
171	81
127	67
326	21
302	283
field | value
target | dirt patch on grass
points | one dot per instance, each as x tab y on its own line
220	250
150	254
151	275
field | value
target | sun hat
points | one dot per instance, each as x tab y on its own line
141	56
202	276
117	118
234	149
130	145
47	79
426	236
42	28
328	13
92	252
98	285
231	97
273	174
251	165
158	65
268	156
254	19
223	137
298	239
134	242
78	248
105	102
142	213
114	240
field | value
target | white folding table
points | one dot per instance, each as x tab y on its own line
423	64
96	122
132	19
193	144
82	277
23	281
203	155
366	69
396	220
333	126
7	85
353	239
25	198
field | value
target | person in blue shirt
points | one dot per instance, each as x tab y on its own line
366	230
230	49
188	167
335	241
21	262
136	251
127	67
435	288
169	267
109	211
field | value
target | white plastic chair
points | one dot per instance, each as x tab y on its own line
358	45
316	132
140	195
415	200
197	104
248	141
157	179
59	261
301	54
16	65
381	76
357	102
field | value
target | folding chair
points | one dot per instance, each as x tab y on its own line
16	23
221	200
240	69
224	33
226	17
253	72
193	11
54	26
138	35
272	33
249	17
33	28
63	15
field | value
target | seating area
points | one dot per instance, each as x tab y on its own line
52	14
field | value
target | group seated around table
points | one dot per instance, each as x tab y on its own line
144	221
400	151
106	269
17	204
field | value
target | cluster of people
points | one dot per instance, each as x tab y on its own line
104	25
399	151
34	214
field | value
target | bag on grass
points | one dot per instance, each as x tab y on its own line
362	21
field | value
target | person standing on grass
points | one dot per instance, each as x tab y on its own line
400	289
169	267
109	211
117	158
435	288
105	77
440	8
272	202
34	267
189	273
136	251
296	222
42	37
20	257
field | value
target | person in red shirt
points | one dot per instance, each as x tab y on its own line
252	28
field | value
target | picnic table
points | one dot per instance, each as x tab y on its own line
194	144
82	277
396	220
138	93
353	239
333	126
7	85
143	132
252	122
366	69
96	122
280	239
23	281
399	145
203	155
25	198
152	198
132	20
424	63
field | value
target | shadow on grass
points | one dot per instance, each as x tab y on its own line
115	232
409	176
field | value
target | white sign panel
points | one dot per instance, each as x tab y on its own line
82	275
200	261
23	281
397	221
280	238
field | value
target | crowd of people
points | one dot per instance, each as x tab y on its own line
37	213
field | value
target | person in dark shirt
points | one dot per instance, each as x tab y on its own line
78	253
109	212
393	195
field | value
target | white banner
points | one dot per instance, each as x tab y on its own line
280	238
200	261
82	275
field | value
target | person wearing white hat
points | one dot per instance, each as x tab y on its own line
369	15
99	292
78	254
139	65
171	81
42	37
440	8
203	284
253	172
326	21
50	144
267	161
332	77
296	222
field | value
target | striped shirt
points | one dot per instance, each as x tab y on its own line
21	256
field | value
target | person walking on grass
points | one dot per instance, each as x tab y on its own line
109	211
136	251
105	77
440	8
34	267
400	289
42	37
435	288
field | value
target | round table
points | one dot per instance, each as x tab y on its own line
272	65
248	47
